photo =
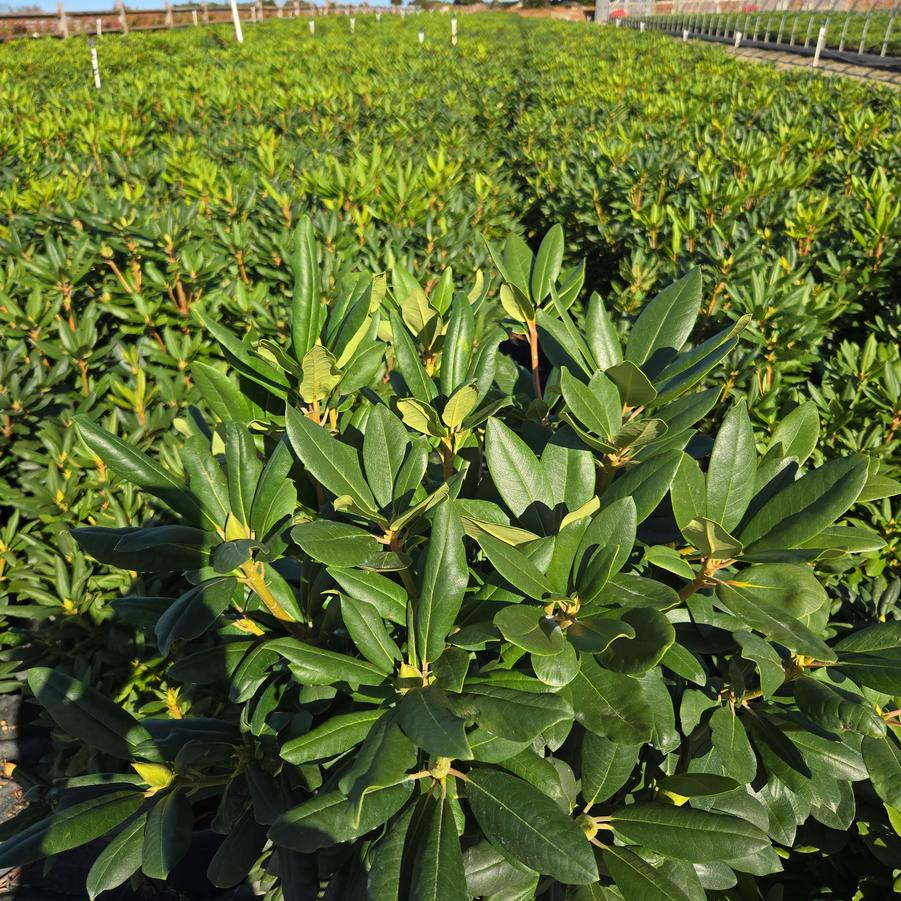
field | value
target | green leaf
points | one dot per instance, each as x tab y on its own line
335	736
381	592
688	834
86	714
514	566
666	322
637	654
737	758
429	721
512	714
368	633
635	388
332	463
882	673
881	638
796	434
604	548
445	576
420	417
329	818
275	497
638	880
732	468
531	629
307	311
167	835
461	403
806	507
529	826
547	264
437	866
610	704
408	364
320	375
489	872
596	405
754	606
206	479
69	827
457	351
764	656
882	757
236	856
711	539
222	396
313	665
646	484
335	543
385	446
601	335
119	860
606	767
137	468
193	612
593	634
696	785
835	709
519	477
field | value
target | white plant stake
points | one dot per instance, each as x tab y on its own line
194	17
239	35
312	26
821	42
378	18
738	37
421	36
353	24
99	26
95	65
641	27
453	31
684	35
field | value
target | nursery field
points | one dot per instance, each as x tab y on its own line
406	446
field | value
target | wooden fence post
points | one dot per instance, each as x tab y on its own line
296	8
206	13
169	20
123	18
63	21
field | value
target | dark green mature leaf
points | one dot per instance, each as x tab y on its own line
335	736
313	665
223	397
666	322
635	388
636	654
138	468
736	756
69	827
444	579
647	484
307	310
408	364
606	767
437	867
385	444
688	834
796	435
605	547
733	465
335	543
489	872
754	607
530	826
512	714
167	834
381	592
835	709
242	464
528	627
429	720
878	671
119	860
638	880
518	477
515	567
193	612
275	497
330	818
610	704
83	712
235	857
596	405
805	507
332	463
882	757
883	639
546	266
368	633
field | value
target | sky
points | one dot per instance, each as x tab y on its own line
100	5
